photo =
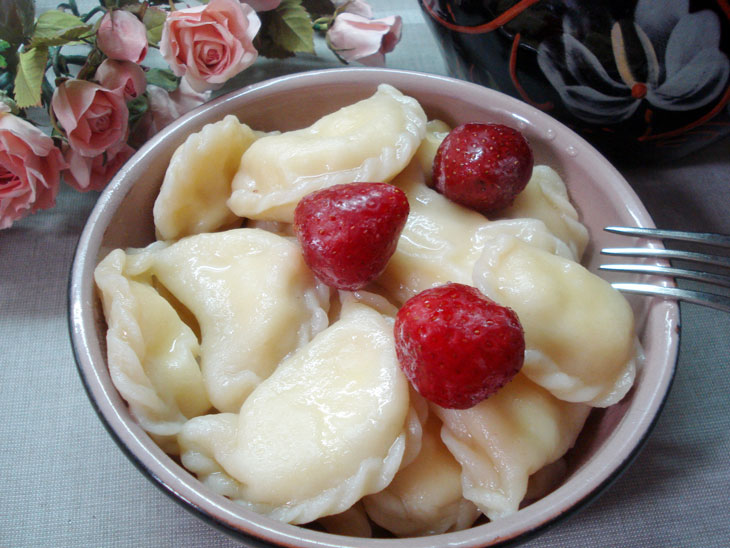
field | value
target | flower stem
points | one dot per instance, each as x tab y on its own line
98	9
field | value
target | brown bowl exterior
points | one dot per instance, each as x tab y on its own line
123	218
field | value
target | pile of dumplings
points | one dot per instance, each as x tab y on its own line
286	395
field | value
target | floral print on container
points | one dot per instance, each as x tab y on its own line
646	79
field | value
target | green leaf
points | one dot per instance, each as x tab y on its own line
3	46
16	20
29	79
137	107
290	27
162	78
154	20
57	28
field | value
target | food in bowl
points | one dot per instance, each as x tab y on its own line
287	396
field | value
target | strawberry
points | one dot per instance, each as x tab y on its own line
456	346
349	232
482	166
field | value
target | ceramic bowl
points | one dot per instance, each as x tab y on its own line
642	80
123	218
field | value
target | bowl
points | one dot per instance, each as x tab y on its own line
641	80
122	217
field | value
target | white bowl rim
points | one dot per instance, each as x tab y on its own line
587	483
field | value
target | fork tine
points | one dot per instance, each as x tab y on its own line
707	277
667	254
713	300
721	302
710	238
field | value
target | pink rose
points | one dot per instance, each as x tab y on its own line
94	118
122	36
210	44
86	173
30	165
165	108
358	7
357	38
262	5
129	76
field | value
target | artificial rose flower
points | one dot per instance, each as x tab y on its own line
164	108
94	118
129	76
122	36
210	44
30	165
357	38
358	7
86	173
262	5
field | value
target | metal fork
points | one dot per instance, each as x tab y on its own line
714	300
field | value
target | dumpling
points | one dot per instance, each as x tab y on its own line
579	331
151	354
530	231
415	423
546	198
253	297
353	522
504	439
325	429
436	132
198	180
442	240
424	498
371	140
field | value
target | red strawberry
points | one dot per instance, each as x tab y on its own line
456	346
349	232
482	166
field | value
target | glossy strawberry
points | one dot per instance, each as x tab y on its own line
483	166
349	232
456	346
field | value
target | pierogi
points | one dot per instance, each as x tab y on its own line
372	140
325	429
193	196
252	296
286	396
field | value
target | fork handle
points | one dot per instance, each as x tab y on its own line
711	238
720	302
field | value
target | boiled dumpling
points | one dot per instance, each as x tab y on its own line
253	297
198	180
353	522
504	439
151	354
325	429
579	331
436	132
546	198
371	140
531	231
442	240
424	498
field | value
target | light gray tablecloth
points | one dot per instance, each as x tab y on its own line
64	483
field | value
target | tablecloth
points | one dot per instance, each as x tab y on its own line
64	482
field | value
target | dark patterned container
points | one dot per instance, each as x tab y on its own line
641	80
